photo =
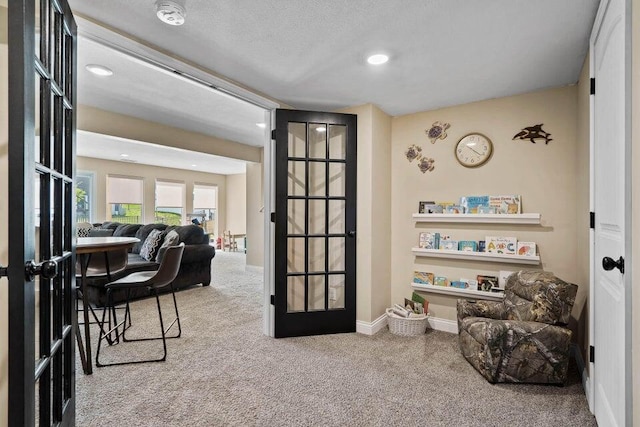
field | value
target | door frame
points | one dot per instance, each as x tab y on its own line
628	282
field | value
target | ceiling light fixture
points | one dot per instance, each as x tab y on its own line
377	59
321	129
261	125
124	155
193	166
99	70
170	12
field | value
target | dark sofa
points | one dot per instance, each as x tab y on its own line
195	267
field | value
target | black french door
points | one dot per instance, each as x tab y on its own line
41	270
315	223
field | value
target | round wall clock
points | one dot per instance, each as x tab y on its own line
473	150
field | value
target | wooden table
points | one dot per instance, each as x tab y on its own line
86	247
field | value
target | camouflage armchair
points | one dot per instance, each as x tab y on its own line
523	339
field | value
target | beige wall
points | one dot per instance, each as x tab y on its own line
255	215
373	212
104	122
581	310
102	168
236	204
544	175
4	219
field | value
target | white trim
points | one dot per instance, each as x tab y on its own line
444	325
586	384
254	269
527	218
483	256
372	328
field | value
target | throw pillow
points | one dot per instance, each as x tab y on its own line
171	239
83	231
151	245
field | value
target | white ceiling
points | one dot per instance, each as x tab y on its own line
312	54
108	147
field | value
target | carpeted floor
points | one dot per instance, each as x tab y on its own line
225	372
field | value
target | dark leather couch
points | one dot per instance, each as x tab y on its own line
195	267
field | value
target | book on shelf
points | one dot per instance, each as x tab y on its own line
486	283
454	209
449	245
467	245
481	246
510	204
503	275
422	278
440	281
472	204
458	284
527	248
433	208
429	240
486	210
422	206
501	245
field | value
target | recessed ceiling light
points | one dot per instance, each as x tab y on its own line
193	166
124	155
99	70
170	12
321	129
377	59
261	125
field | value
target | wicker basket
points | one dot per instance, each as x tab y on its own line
406	326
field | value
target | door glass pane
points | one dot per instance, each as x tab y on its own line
337	142
316	293
296	179
52	40
36	306
58	132
316	254
317	179
336	253
295	255
295	294
38	29
50	143
295	217
38	112
317	216
337	175
317	141
336	216
297	140
336	291
68	49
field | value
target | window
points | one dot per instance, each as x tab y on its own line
124	198
205	202
169	202
84	197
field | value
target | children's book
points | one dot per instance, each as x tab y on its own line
527	248
501	245
472	204
486	283
510	204
422	278
454	209
422	205
467	245
486	210
429	240
440	281
449	245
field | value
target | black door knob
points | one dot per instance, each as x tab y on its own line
609	264
46	269
351	233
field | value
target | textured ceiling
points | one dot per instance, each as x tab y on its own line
311	54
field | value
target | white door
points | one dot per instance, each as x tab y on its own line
609	191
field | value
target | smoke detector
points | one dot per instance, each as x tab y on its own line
170	12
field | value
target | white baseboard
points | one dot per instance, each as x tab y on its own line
444	325
254	268
372	328
435	323
577	354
